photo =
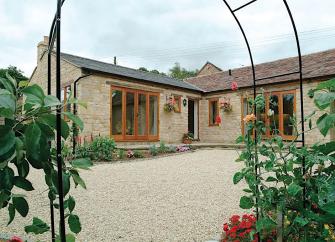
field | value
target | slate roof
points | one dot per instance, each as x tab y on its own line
317	65
98	66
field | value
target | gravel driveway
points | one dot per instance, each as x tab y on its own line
184	197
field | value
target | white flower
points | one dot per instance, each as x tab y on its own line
271	112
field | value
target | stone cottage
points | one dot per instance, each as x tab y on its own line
128	104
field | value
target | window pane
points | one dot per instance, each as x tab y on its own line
288	111
213	112
153	115
142	114
116	112
130	112
274	119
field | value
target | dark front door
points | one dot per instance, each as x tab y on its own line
191	116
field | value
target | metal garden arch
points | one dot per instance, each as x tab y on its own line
55	36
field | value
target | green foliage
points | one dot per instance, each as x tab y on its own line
181	73
101	148
278	187
162	148
27	140
151	71
138	154
14	72
121	154
153	150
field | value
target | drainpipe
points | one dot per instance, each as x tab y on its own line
74	142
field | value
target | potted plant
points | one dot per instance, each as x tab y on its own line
225	105
188	138
170	105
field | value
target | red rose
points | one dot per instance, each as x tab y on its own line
225	227
233	235
235	219
16	239
234	86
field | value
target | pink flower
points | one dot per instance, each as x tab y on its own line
16	239
234	86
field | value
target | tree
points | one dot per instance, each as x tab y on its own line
14	72
181	73
151	71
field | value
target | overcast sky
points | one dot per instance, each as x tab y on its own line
156	33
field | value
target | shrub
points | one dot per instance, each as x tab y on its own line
153	150
138	154
83	151
121	154
162	147
102	148
293	184
171	149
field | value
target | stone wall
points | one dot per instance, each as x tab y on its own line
95	92
231	126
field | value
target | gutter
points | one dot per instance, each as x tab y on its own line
74	142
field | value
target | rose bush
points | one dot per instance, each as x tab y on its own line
292	187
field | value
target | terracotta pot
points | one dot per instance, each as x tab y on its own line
187	141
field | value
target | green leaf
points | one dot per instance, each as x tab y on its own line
271	179
23	183
238	177
66	182
8	85
21	205
293	189
82	163
265	224
23	168
330	84
301	221
325	123
38	227
71	203
324	99
6	179
50	120
51	101
11	212
7	139
19	149
246	202
13	81
33	140
329	207
34	92
77	179
7	104
75	119
23	84
74	223
4	198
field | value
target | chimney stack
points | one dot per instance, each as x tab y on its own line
42	47
115	63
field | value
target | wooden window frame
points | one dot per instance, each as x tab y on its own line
123	137
177	97
210	101
267	95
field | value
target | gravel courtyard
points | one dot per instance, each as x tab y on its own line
185	197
